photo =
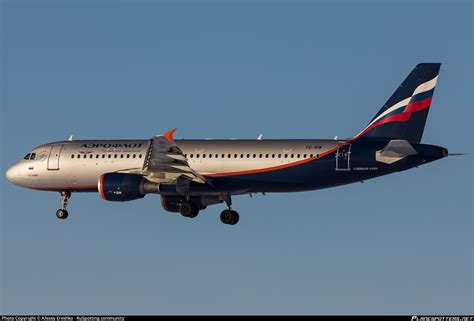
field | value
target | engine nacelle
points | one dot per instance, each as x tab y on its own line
119	187
172	203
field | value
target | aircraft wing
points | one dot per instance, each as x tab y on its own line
166	163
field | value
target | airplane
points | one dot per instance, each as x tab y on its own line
190	175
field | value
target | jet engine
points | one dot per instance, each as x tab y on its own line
120	187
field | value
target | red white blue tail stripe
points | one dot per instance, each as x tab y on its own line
401	111
395	120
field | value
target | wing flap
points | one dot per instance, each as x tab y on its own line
166	162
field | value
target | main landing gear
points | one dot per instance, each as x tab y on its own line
188	210
229	216
62	212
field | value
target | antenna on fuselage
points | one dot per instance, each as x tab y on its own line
335	137
260	137
70	138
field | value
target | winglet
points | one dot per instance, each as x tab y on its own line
169	135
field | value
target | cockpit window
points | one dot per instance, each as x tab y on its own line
27	156
33	156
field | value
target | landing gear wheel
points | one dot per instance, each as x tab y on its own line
229	217
226	217
235	217
188	210
62	214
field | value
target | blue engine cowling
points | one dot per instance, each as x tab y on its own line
118	187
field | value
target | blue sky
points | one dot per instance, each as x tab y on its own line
399	244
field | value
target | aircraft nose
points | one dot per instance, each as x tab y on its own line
11	173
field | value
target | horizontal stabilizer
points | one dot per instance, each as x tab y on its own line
394	151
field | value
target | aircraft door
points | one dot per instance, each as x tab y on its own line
53	159
343	157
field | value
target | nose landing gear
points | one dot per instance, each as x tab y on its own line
62	213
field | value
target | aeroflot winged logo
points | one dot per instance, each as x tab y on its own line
125	145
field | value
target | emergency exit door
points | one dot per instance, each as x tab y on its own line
343	157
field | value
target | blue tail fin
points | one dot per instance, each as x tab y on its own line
404	114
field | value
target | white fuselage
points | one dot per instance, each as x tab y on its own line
78	165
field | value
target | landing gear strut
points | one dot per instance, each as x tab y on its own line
188	210
62	212
229	216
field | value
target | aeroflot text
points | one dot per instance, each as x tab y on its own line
131	145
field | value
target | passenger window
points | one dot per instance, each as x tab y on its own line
128	155
191	156
115	156
210	155
185	155
260	156
103	155
310	155
203	155
134	156
298	156
97	156
292	155
279	155
228	155
304	156
27	156
248	155
286	155
91	156
266	155
235	155
317	156
121	155
110	156
241	155
197	155
72	156
254	155
273	155
139	155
